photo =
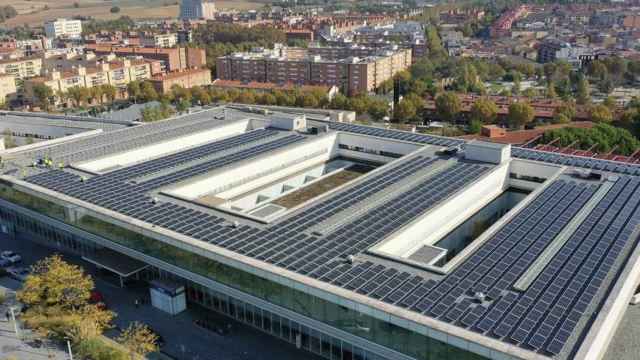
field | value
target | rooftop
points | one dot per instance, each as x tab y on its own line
533	285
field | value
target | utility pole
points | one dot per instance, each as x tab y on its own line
15	323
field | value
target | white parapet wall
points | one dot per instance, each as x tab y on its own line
441	220
365	147
163	148
244	177
524	171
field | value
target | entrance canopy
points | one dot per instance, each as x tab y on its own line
120	264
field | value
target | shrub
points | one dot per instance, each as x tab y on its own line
98	349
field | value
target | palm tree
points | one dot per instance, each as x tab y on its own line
77	94
110	92
43	93
133	88
96	94
62	96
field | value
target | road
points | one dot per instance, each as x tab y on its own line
183	339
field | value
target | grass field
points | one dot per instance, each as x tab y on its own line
34	13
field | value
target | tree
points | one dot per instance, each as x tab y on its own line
134	90
404	111
551	91
87	322
475	127
600	113
359	104
268	99
110	92
484	111
158	112
467	78
79	94
96	94
378	109
434	44
606	85
183	105
565	112
448	106
7	12
62	96
610	102
597	69
582	93
307	100
43	94
115	9
495	71
530	93
601	138
148	92
246	97
56	295
520	114
200	96
54	282
339	102
139	339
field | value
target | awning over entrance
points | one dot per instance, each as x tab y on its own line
120	264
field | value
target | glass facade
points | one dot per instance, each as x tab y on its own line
339	317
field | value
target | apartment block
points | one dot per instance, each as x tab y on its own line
172	59
351	74
116	73
197	9
66	28
7	87
186	79
160	40
21	68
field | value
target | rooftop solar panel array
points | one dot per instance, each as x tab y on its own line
122	140
577	161
396	135
523	153
542	318
285	244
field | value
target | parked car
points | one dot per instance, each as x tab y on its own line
4	263
18	273
97	298
11	256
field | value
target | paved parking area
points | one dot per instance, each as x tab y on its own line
183	339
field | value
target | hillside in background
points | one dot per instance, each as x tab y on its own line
37	12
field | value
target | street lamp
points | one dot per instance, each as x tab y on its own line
69	348
15	323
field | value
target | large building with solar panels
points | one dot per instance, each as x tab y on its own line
348	241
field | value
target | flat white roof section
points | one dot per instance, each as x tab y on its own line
156	150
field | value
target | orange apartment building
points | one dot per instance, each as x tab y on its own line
353	75
186	79
172	59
